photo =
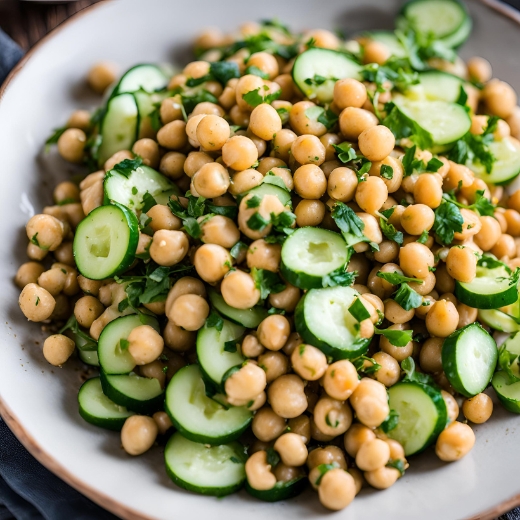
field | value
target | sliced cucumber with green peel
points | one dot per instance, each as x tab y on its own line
445	20
508	393
140	394
509	356
445	122
89	357
469	358
280	491
323	320
422	415
113	359
498	320
507	162
311	253
436	85
390	41
131	190
198	417
146	105
97	409
208	470
491	288
270	189
316	70
146	76
212	355
248	318
120	126
106	241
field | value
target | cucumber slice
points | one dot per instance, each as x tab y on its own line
469	358
208	470
445	122
112	358
248	318
97	409
119	128
323	320
281	490
270	189
130	190
437	86
106	241
311	253
198	417
214	360
89	357
498	320
446	20
422	415
390	41
509	356
147	77
506	166
139	394
508	394
146	105
490	289
326	63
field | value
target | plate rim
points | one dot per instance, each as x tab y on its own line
27	440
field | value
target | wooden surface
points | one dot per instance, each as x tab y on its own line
28	22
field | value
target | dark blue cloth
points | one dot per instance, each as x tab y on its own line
10	55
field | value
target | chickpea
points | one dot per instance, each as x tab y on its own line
376	142
244	181
154	370
65	254
323	38
479	69
178	339
452	406
478	409
394	183
265	122
301	426
28	273
263	255
500	98
349	93
287	397
267	426
163	422
342	184
308	149
458	176
327	455
57	349
239	290
371	194
337	489
239	153
163	218
382	478
370	403
505	247
275	364
390	372
415	260
168	247
442	319
173	135
36	303
302	124
170	109
356	436
291	448
454	442
246	84
145	344
373	455
461	263
189	311
138	434
66	192
87	309
274	331
376	52
101	76
332	417
148	150
258	472
309	362
354	121
282	143
45	231
396	314
79	119
417	218
286	299
212	180
430	355
212	132
513	222
245	384
185	285
309	212
212	262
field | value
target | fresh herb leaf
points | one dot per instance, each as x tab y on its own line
230	346
396	278
214	320
347	220
192	227
148	202
448	221
340	276
225	211
323	468
386	171
408	367
424	237
398	338
271	178
391	422
283	222
256	72
267	282
255	97
407	298
256	222
397	464
73	325
391	232
328	118
345	152
253	202
358	310
238	249
404	127
366	365
223	71
124	344
127	166
408	160
189	102
272	457
54	137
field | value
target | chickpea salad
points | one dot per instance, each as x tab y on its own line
290	259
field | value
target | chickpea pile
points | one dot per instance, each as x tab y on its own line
321	416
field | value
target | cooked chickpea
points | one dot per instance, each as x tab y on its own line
478	409
371	194
342	184
245	384
500	98
239	290
168	247
28	273
454	442
291	448
370	402
376	52
376	142
479	69
262	255
212	132
265	122
79	119
308	149
327	455
148	150
172	164
354	121
356	436
442	319
430	355
275	364
417	218
57	349
189	311
415	260
337	489
163	218
332	417
177	339
373	455
163	422
282	143
244	181
286	299
287	397
301	123
36	303
101	76
212	180
246	84
382	478
274	331
145	344
66	192
505	247
349	93
87	309
138	434
309	212
267	425
258	472
309	362
173	135
45	231
452	406
212	262
461	263
154	370
390	372
239	153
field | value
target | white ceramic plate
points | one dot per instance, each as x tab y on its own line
39	402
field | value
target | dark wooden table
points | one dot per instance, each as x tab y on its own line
28	22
